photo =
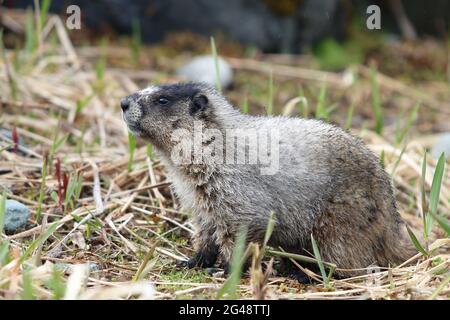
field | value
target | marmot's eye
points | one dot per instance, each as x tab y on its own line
163	101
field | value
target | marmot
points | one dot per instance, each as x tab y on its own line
326	183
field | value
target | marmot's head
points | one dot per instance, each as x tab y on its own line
157	111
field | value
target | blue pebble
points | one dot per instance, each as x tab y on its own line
16	216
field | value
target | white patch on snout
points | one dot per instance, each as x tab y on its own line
147	91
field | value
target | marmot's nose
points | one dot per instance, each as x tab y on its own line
125	104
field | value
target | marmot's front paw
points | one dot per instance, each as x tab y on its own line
200	259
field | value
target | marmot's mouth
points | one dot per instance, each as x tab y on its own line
135	129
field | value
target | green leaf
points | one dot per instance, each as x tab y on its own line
416	242
443	222
56	284
30	35
435	192
41	239
245	105
216	64
2	212
376	102
27	286
424	197
441	287
44	10
230	286
270	98
321	110
400	134
4	252
150	151
131	149
436	184
269	229
349	121
382	159
319	261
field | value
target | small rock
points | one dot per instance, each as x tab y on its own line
442	144
203	69
16	216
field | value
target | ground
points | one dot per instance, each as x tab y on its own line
104	223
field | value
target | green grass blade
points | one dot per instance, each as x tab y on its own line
349	121
401	134
423	198
131	149
321	111
45	6
436	184
41	239
245	105
56	284
382	159
27	286
229	289
416	242
443	222
441	287
269	229
435	193
376	102
150	151
4	252
30	35
136	42
270	98
42	189
319	261
216	64
2	212
397	162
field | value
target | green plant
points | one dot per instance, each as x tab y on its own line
136	42
30	35
270	98
27	285
42	189
400	133
325	278
40	240
349	121
216	65
322	111
229	288
82	103
2	212
245	105
45	6
131	150
429	211
376	101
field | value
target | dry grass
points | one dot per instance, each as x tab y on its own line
121	236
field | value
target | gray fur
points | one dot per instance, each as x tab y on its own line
329	185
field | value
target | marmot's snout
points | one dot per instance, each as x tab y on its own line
132	113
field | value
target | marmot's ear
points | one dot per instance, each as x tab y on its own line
200	103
